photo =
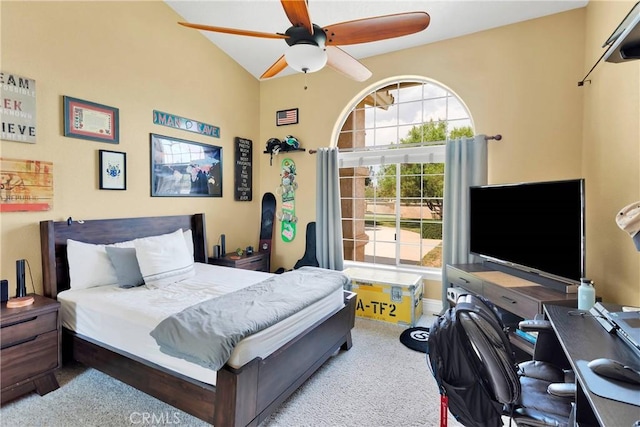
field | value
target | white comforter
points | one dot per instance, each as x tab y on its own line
123	318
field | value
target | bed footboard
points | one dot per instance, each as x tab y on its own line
242	397
254	391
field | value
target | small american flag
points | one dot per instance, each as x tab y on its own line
287	117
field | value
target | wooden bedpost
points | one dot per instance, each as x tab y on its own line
238	405
48	256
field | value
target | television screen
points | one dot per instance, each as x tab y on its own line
536	227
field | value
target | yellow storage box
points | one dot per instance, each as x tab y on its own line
386	295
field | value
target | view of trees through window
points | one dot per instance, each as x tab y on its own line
392	210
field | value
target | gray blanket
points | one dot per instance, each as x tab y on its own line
207	333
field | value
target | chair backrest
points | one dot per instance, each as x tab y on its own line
477	379
491	344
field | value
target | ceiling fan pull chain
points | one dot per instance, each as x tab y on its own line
305	79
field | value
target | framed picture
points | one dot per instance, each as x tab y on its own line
113	170
181	168
88	120
287	117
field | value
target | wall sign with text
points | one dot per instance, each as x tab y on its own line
18	110
177	122
243	170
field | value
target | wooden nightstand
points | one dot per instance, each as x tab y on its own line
258	261
30	348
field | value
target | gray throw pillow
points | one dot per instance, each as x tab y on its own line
126	265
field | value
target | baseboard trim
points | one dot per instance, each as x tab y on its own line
431	306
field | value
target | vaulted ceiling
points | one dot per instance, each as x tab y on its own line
449	19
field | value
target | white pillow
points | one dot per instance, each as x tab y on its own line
188	239
89	265
164	259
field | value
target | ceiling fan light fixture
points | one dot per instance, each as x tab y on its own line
305	57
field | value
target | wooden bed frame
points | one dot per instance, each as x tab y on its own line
241	397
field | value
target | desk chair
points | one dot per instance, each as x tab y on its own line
549	362
524	398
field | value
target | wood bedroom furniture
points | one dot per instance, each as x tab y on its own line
243	396
520	298
30	348
258	261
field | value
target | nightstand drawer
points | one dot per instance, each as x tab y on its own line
514	302
28	359
253	263
26	329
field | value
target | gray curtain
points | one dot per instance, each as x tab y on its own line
328	215
466	165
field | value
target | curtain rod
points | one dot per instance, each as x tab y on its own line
496	137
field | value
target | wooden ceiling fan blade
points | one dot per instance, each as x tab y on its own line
235	31
298	13
277	67
346	64
376	28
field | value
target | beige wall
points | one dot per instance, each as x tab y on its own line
133	56
519	81
610	157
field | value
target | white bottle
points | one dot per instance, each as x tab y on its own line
586	294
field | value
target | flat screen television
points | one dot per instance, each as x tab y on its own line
538	227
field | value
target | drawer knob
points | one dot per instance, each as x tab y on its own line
511	301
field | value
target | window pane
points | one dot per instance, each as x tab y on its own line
433	91
388	117
380	253
435	109
405	133
410	113
386	182
456	109
453	124
410	92
392	213
369	117
432	250
410	254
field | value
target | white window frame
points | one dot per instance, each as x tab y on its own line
432	152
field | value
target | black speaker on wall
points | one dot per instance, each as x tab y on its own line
21	287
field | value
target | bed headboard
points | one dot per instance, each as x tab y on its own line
54	235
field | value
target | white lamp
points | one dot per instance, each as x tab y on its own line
306	58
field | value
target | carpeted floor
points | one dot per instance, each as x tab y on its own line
379	382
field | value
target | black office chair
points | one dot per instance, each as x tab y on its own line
549	362
523	397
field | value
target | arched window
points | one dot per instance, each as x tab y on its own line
392	171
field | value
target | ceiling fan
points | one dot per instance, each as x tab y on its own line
311	47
